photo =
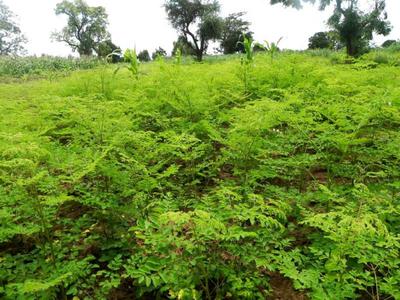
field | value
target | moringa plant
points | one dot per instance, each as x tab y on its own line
186	187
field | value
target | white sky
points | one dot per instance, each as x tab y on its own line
143	23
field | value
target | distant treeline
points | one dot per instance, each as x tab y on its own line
198	24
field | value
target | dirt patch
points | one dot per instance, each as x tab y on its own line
319	175
282	289
124	292
226	173
72	210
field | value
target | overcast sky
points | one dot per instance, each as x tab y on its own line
143	23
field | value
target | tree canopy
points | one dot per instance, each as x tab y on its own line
197	22
233	31
106	48
319	40
388	43
324	40
11	38
86	28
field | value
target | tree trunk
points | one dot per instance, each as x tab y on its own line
350	47
199	56
84	51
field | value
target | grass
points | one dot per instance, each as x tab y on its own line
190	182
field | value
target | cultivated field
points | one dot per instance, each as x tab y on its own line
273	178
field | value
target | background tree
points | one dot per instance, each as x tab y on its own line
106	48
388	43
197	22
322	40
11	38
232	33
184	46
355	27
160	52
86	29
144	56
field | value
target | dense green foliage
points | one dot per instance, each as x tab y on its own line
389	43
109	49
43	66
197	181
320	40
144	56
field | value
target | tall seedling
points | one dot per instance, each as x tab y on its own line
131	57
272	48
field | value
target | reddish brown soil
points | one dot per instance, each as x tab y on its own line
282	289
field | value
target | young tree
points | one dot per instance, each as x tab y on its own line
232	33
86	29
11	38
197	22
355	27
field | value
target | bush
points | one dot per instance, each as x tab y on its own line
388	43
381	58
394	47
